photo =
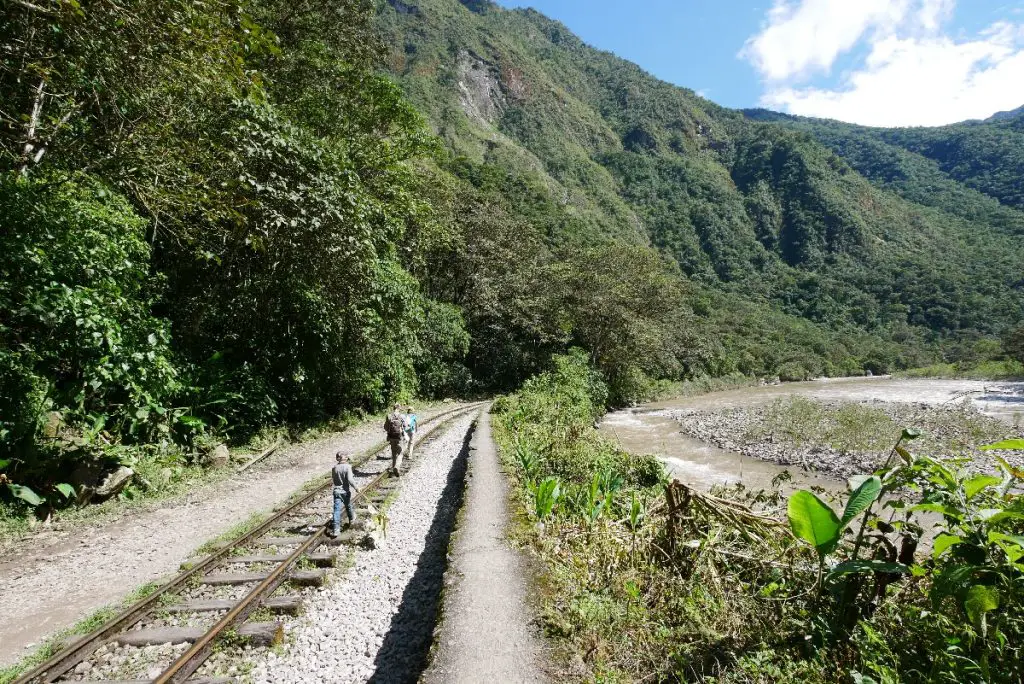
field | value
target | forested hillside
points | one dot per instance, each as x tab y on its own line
222	216
764	219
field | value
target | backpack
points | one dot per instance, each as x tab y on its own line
393	426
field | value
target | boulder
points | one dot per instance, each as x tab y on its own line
114	483
219	457
51	428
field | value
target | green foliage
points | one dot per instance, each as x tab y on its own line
75	325
730	596
971	581
812	520
1013	344
239	174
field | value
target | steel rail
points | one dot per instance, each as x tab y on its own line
78	650
193	658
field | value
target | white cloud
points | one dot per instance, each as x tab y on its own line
913	74
807	36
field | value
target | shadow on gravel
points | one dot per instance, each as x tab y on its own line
403	655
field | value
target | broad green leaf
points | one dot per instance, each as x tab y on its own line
863	497
1006	444
905	455
812	520
994	515
980	599
975	484
943	542
67	490
853	566
910	433
938	508
4	462
999	536
25	494
1012	545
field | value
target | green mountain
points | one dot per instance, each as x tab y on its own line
910	236
956	167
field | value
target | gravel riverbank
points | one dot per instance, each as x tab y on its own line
375	620
841	439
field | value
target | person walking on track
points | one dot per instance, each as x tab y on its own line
343	479
394	426
410	429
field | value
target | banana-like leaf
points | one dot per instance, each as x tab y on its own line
861	498
812	520
25	494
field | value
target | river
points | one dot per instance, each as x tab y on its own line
650	429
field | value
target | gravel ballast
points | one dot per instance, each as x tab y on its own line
374	621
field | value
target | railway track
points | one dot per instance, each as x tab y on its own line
251	580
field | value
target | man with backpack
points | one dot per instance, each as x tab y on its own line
394	426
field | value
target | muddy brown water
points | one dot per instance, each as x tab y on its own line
650	428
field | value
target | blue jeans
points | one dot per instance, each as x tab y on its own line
342	498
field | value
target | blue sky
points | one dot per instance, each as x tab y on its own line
877	62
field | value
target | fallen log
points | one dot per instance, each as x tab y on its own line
274	447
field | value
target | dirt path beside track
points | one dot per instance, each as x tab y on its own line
487	633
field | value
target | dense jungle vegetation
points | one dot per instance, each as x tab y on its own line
721	587
234	214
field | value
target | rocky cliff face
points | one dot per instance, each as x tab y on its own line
481	93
